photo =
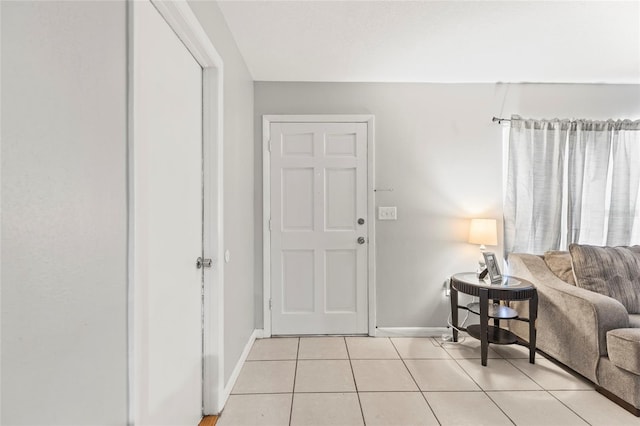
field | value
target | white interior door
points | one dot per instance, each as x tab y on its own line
167	176
318	213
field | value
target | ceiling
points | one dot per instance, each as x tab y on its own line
438	41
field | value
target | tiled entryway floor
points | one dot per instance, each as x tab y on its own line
408	381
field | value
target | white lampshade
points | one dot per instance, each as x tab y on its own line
484	232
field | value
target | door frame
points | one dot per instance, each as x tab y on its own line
369	119
186	26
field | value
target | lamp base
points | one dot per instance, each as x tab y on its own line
481	263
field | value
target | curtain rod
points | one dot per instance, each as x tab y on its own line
500	120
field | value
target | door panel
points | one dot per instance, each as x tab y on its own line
297	281
297	145
342	280
167	164
341	198
340	145
297	199
318	193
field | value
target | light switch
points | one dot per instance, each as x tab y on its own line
387	213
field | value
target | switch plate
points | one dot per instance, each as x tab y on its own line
387	213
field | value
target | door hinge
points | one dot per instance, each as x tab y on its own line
269	224
269	147
270	304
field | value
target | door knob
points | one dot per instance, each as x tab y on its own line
361	221
361	240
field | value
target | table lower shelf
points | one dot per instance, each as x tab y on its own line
496	335
494	311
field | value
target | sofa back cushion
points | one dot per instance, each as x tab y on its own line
559	262
612	271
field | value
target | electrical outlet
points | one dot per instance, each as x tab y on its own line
387	213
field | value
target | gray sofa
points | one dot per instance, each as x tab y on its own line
589	332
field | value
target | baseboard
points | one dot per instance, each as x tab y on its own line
411	331
236	370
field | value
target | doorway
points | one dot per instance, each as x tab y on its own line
319	230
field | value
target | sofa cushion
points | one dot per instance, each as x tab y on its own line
634	321
612	271
559	262
623	346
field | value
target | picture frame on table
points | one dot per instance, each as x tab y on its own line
492	267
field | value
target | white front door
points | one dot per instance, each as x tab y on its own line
167	223
318	214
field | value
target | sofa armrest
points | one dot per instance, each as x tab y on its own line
572	322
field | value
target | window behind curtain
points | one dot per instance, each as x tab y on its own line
571	182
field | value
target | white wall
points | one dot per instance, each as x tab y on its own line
64	294
64	236
239	276
438	149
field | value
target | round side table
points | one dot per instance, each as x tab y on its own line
511	288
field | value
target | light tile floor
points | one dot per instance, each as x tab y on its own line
408	381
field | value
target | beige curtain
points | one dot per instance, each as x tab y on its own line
572	181
533	198
624	210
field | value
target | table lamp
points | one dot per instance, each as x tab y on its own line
485	233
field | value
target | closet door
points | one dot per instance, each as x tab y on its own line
167	176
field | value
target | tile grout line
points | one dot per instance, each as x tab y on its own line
414	391
543	389
295	373
499	407
516	362
569	408
523	372
481	388
416	382
546	390
427	391
355	384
